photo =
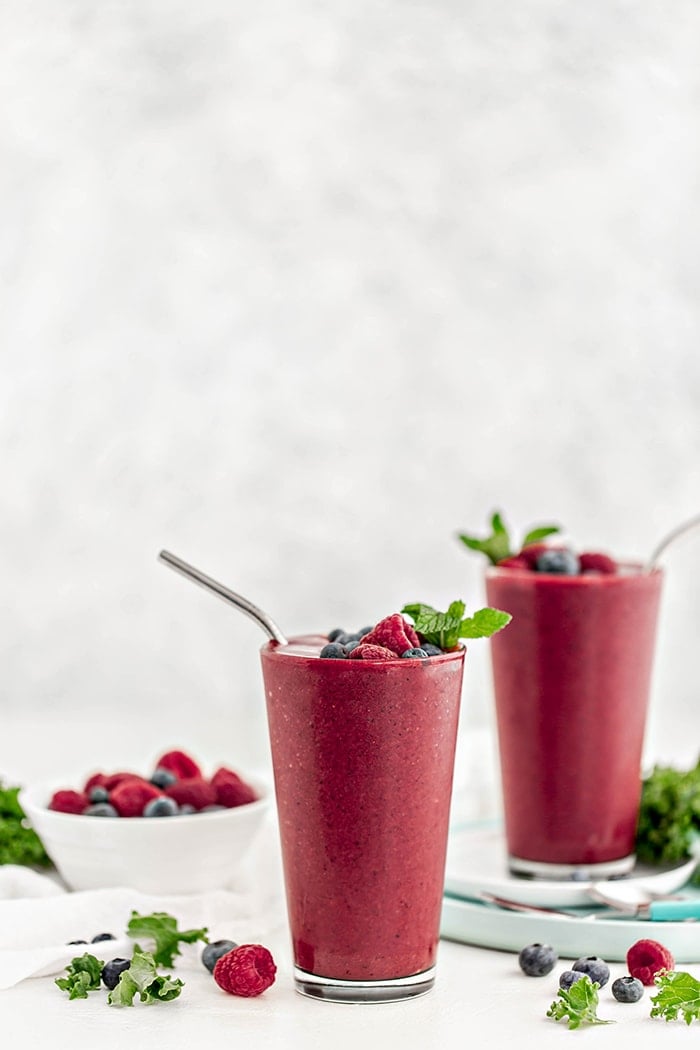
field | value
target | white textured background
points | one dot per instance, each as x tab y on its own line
298	289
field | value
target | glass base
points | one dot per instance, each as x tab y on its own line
333	990
535	869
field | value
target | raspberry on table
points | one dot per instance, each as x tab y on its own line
365	651
247	970
394	633
230	789
180	764
193	791
646	958
130	797
69	802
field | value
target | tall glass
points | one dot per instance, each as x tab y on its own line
571	681
363	757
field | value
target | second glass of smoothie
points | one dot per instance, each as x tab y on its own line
571	680
363	756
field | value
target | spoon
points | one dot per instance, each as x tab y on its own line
672	536
261	618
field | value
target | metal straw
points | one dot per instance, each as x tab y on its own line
670	538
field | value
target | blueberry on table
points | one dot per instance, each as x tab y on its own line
569	977
627	989
112	971
561	562
76	942
161	807
102	937
415	654
211	953
596	968
100	809
162	778
537	960
333	651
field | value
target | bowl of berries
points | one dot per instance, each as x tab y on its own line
173	831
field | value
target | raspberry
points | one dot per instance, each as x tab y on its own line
230	789
516	561
371	652
194	791
532	552
647	958
69	802
111	781
592	561
247	970
130	797
393	632
96	780
180	764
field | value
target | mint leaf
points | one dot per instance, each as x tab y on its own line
82	976
496	547
162	928
578	1005
446	629
678	997
142	978
19	844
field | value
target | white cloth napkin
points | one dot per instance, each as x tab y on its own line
38	916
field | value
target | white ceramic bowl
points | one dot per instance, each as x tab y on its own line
159	855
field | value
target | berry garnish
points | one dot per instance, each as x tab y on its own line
394	633
537	960
371	652
415	654
516	561
569	977
230	790
497	546
627	989
180	764
68	802
247	970
213	951
333	651
562	562
646	958
592	561
597	969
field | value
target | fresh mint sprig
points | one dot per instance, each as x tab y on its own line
497	545
446	629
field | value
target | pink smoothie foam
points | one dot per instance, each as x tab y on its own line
363	756
571	678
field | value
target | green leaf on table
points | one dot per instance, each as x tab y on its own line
678	997
142	979
162	928
577	1005
19	844
83	975
446	629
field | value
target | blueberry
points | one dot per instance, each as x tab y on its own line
569	977
596	969
102	937
537	960
335	634
345	637
77	942
333	651
99	794
350	646
363	631
162	778
627	989
431	650
112	970
562	562
160	807
414	654
101	809
213	952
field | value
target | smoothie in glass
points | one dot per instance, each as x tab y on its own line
363	756
571	681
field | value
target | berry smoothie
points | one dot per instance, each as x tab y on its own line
363	757
571	679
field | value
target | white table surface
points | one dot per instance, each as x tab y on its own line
480	999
